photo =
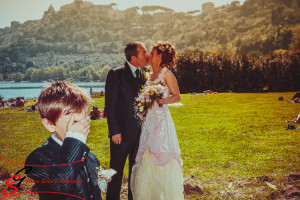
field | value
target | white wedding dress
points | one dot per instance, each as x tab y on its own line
157	174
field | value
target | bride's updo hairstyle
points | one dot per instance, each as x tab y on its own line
168	52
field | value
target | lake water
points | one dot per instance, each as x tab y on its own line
10	90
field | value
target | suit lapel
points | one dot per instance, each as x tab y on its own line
131	79
128	72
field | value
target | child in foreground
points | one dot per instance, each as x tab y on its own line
63	167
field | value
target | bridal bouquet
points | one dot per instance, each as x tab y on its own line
146	98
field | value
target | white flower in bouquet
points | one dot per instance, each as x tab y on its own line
141	109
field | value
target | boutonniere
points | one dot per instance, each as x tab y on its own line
145	71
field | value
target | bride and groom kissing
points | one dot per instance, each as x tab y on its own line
152	148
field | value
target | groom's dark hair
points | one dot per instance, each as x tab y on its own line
131	49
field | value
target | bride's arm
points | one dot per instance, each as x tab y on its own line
171	82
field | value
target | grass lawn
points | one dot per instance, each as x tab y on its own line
231	143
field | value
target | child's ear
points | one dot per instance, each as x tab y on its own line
48	124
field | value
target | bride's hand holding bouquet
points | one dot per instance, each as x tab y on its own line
146	98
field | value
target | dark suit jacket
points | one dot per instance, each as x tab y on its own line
83	172
121	88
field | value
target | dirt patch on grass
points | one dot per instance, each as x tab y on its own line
4	174
189	189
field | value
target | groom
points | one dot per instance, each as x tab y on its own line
122	86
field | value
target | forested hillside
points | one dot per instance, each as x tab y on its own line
83	34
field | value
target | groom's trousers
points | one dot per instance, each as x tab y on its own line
118	156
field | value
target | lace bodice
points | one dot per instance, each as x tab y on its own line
160	78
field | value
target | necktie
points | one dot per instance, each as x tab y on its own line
138	78
137	74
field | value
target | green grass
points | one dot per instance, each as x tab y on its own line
227	137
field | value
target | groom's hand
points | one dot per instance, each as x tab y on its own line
117	139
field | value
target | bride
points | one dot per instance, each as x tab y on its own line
157	172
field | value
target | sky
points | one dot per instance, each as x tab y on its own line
23	10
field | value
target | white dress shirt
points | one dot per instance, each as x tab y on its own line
133	69
70	134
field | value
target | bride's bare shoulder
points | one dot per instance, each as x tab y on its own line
169	74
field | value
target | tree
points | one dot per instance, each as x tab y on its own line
17	77
103	73
29	64
295	45
57	73
85	74
37	75
27	75
131	13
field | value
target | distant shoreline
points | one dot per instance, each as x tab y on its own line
31	90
